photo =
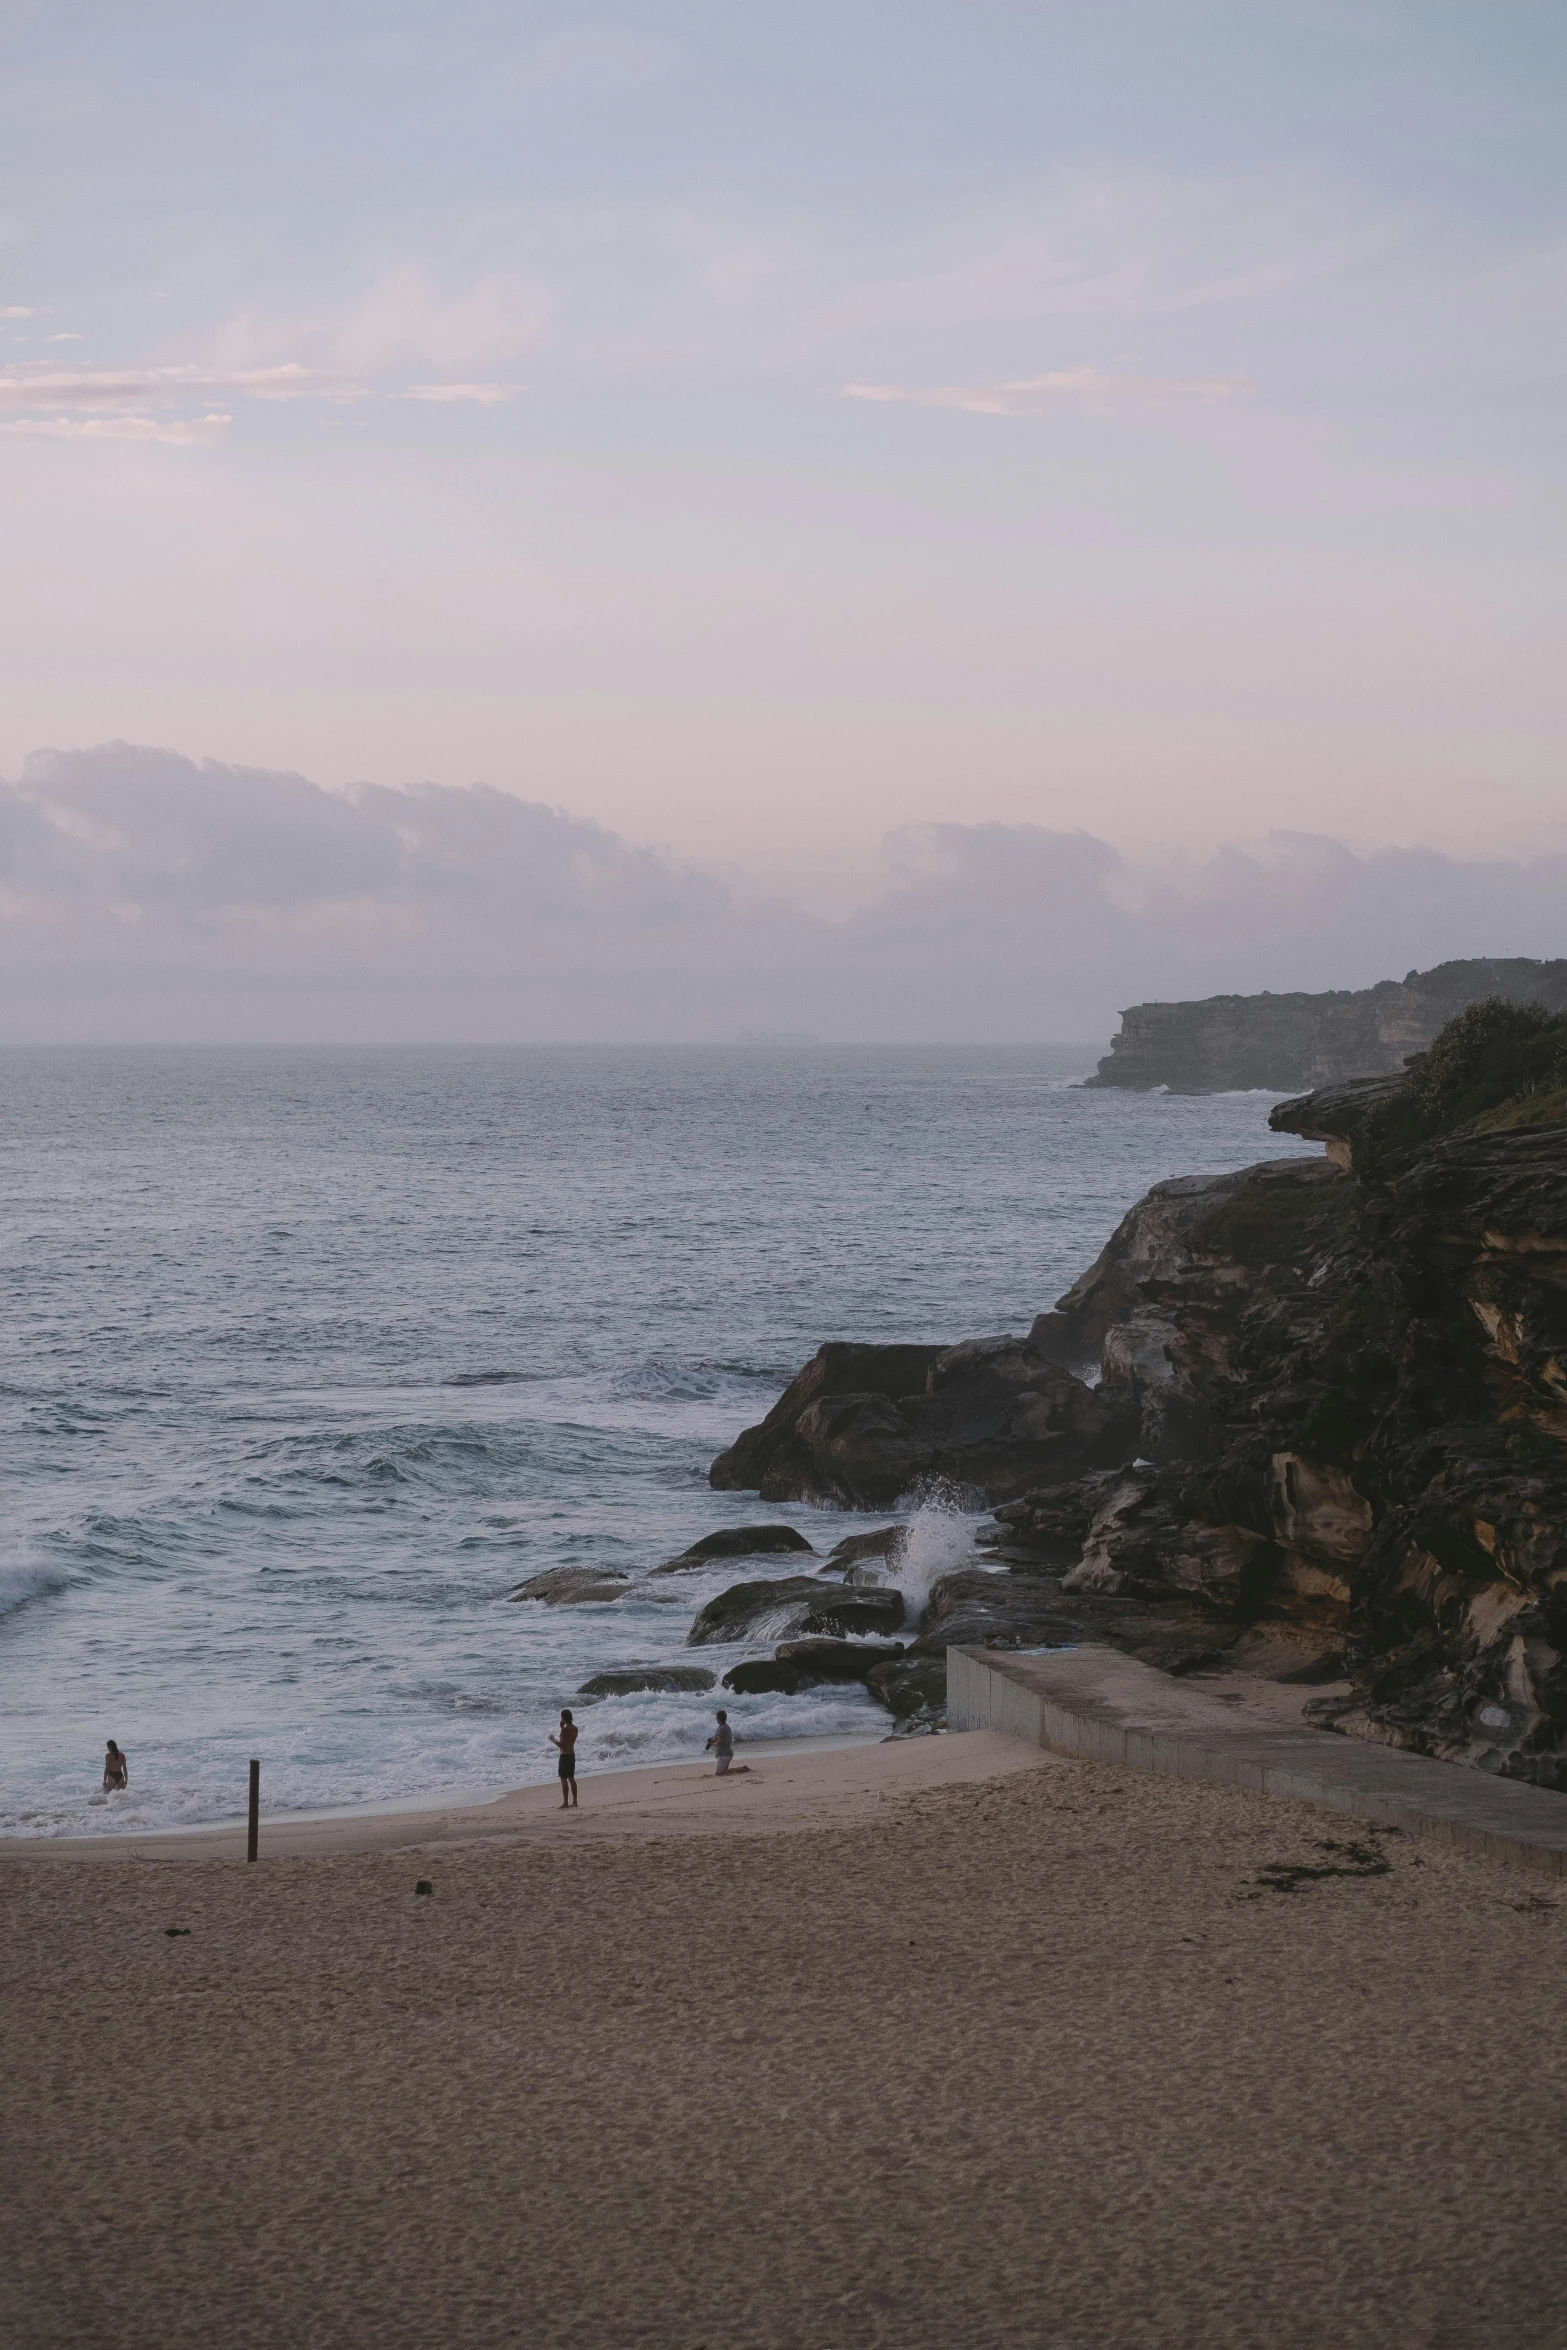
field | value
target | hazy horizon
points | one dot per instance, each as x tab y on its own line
148	898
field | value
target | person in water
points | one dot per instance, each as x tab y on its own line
724	1739
566	1746
116	1770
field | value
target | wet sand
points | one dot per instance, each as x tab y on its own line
789	1785
1065	2056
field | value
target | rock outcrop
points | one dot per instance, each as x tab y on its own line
1230	1042
1352	1407
1328	1438
772	1459
1030	1607
863	1427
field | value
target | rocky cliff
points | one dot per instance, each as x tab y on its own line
1233	1042
1311	1416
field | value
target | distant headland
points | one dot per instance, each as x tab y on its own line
1232	1043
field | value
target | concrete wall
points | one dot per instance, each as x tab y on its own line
1101	1706
979	1699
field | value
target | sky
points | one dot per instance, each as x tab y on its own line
861	463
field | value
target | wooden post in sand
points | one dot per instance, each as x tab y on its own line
255	1809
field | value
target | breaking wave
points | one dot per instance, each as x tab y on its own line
20	1584
941	1540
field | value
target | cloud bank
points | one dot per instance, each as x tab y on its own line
144	897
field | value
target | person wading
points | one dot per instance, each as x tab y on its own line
116	1770
566	1745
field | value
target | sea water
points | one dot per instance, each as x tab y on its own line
309	1357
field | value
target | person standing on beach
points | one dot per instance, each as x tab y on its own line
724	1739
116	1770
566	1745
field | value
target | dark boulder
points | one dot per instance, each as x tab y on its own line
910	1685
837	1660
628	1680
572	1586
809	1664
749	1611
764	1676
863	1427
886	1545
854	1613
737	1542
764	1460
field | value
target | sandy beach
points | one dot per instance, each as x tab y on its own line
939	2043
794	1784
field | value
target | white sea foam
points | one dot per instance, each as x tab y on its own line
651	1726
779	1622
941	1540
20	1584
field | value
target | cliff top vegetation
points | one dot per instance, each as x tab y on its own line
1494	1067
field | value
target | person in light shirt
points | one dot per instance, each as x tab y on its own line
723	1739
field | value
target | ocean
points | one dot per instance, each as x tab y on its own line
310	1356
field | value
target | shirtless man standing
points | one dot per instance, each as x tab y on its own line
116	1770
724	1739
566	1746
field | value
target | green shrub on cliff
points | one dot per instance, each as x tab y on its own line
1547	1107
1496	1065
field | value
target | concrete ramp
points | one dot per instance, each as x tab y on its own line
1104	1707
